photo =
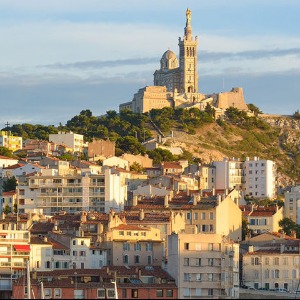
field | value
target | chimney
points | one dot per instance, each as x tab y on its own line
166	201
213	191
134	201
195	200
281	248
142	215
83	216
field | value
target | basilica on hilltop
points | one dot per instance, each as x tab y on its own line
176	83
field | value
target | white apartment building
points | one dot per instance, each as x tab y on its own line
70	139
204	265
5	162
259	178
292	204
71	193
14	255
9	141
226	174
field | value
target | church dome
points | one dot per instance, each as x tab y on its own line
169	60
169	55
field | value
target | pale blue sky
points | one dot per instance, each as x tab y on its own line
59	57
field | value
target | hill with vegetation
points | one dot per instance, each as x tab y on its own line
201	137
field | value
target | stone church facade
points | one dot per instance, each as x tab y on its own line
176	83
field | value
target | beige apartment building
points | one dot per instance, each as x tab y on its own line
204	265
134	245
272	265
262	219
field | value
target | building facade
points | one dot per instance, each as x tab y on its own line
204	266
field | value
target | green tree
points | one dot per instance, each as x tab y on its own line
136	167
254	109
10	184
245	228
7	209
5	152
288	225
158	155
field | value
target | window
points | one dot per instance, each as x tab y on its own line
210	246
57	293
196	216
149	260
186	262
186	246
82	253
198	262
276	261
159	293
267	261
74	253
210	276
211	215
137	259
169	293
121	232
101	293
210	261
82	243
137	247
276	273
210	292
124	293
149	247
198	277
134	293
125	259
203	215
47	293
186	292
126	246
110	293
74	242
188	216
186	277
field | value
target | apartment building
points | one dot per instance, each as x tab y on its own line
134	245
130	283
262	219
272	265
219	214
204	265
70	139
292	204
72	193
5	162
9	199
259	178
14	255
8	140
226	174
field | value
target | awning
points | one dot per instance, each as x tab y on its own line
22	248
3	234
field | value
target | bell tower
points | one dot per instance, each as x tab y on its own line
188	58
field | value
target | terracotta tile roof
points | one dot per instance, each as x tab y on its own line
10	193
15	166
171	165
130	227
5	157
41	228
57	245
